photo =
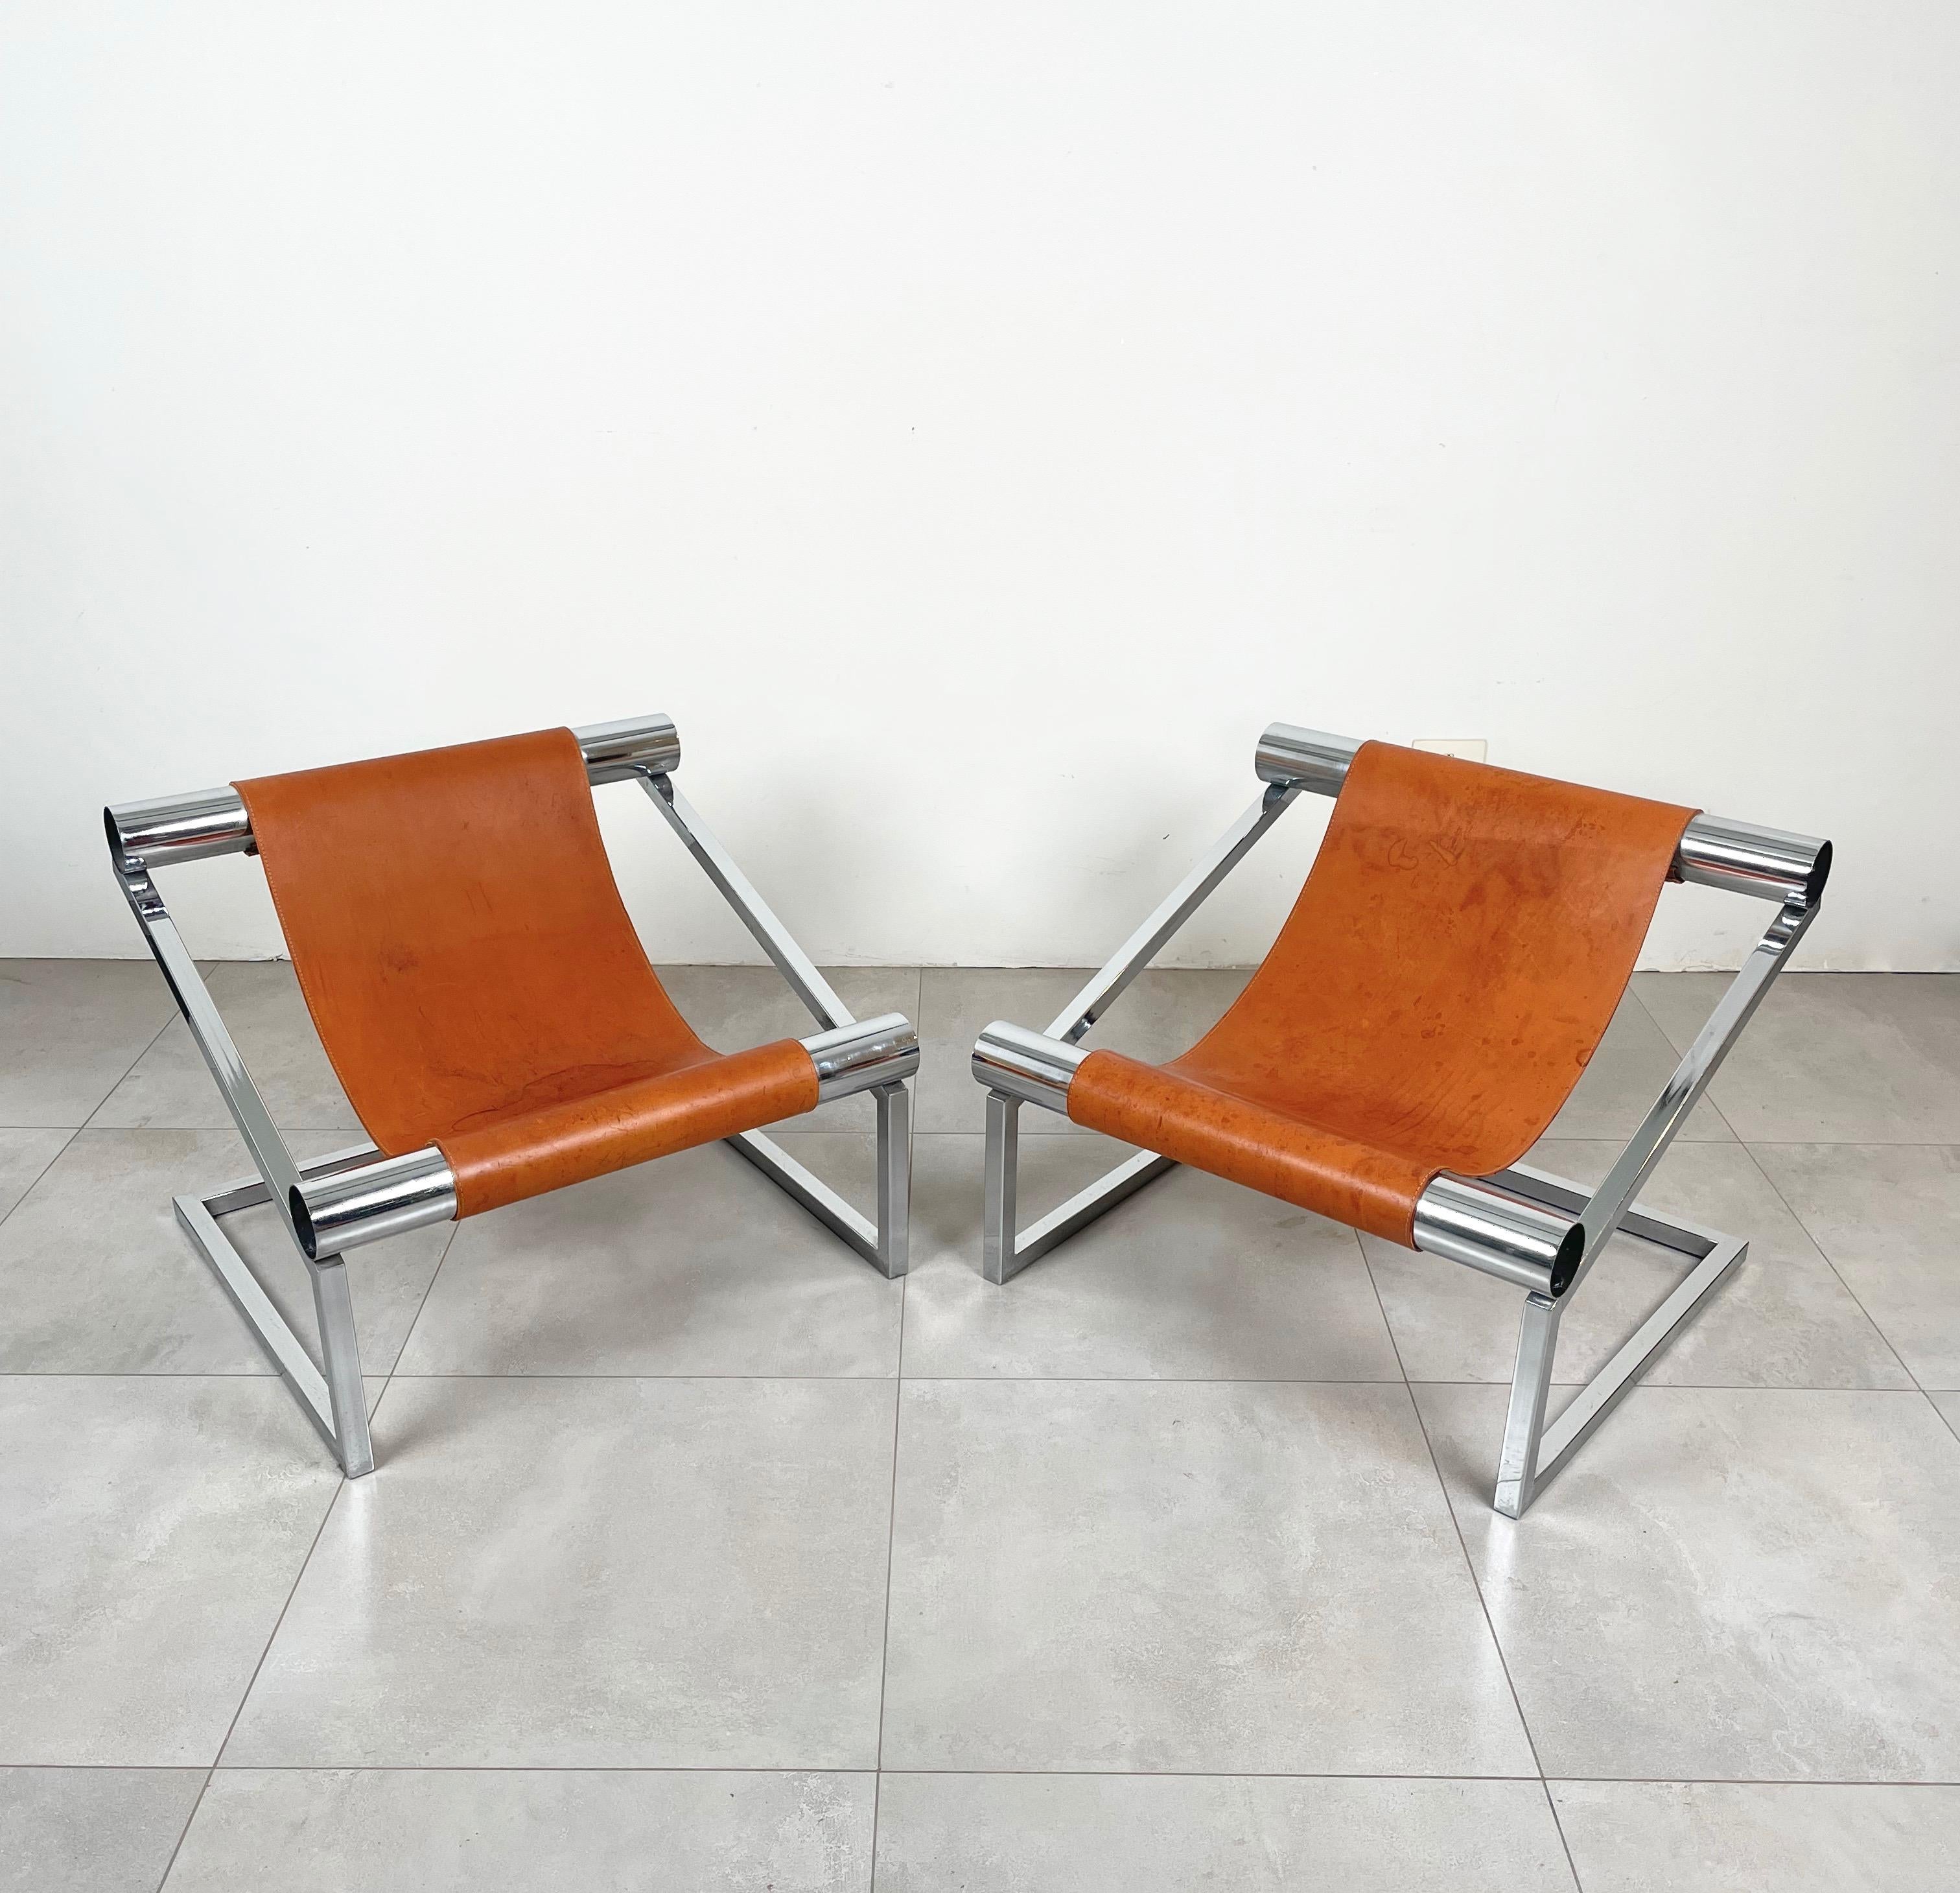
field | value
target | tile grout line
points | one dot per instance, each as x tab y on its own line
76	1130
1937	1782
455	1229
1503	1661
44	1167
1443	1488
1381	1307
1852	1143
244	1695
1470	1570
197	1803
176	1013
987	1380
891	1553
1572	1866
1796	1217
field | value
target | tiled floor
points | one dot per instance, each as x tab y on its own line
700	1557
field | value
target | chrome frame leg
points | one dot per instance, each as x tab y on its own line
886	1245
1524	1424
1000	1217
336	1402
895	1178
340	1350
1535	1453
1006	1251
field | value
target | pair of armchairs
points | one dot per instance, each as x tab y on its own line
1453	962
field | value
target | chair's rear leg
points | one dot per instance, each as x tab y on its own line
1524	1425
999	1228
340	1355
895	1178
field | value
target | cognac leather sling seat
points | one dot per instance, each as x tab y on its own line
476	982
1451	965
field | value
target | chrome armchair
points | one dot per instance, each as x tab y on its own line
1540	1232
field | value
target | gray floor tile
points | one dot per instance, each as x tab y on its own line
69	1029
98	1278
506	1831
1113	1833
1166	1012
24	1154
1177	1576
150	1530
1831	1057
91	1830
1727	1585
1194	1278
628	1573
1782	1319
171	1086
1948	1406
1616	1090
1631	1836
1888	1217
732	1007
696	1264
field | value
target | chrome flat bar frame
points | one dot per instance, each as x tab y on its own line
1004	1252
1530	1455
885	1243
251	1193
1563	1437
887	1246
754	913
1712	1255
1177	907
335	1400
1561	1193
1734	856
288	1354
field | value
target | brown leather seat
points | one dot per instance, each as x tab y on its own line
1451	965
473	975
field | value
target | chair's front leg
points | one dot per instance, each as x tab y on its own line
1524	1425
340	1356
895	1178
1003	1139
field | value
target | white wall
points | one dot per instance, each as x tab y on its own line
972	424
